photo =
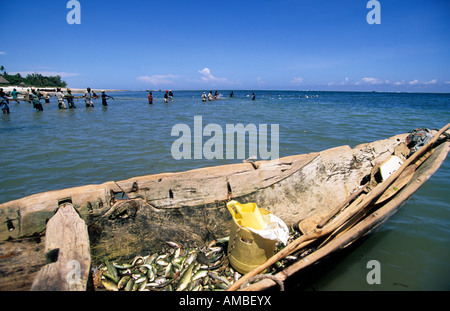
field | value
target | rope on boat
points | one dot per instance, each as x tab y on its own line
260	277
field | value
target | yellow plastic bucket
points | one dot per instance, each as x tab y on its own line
247	215
247	250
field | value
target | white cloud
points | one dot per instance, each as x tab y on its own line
372	81
414	82
375	81
297	81
418	82
157	79
207	76
206	73
403	82
434	81
2	53
345	82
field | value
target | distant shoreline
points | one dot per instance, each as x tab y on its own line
23	89
51	90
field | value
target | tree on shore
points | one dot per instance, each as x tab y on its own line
34	79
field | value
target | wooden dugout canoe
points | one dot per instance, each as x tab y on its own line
191	207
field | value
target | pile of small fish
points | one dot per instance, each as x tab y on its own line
174	268
177	268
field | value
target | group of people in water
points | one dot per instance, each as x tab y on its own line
34	97
168	95
216	95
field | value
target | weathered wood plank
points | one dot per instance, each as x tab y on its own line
67	248
267	174
30	214
210	184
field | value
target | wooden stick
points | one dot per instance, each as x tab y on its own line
404	178
400	182
375	193
341	206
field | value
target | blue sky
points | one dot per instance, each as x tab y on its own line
196	44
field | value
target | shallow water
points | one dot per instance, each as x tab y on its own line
56	149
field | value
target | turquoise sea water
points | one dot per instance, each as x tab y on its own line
55	149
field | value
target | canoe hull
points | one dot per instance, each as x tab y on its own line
190	207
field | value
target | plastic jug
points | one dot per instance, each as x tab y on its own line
247	215
246	249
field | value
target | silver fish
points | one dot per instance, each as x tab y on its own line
190	258
130	285
140	280
151	259
199	274
123	281
137	260
122	266
151	274
162	262
184	282
168	272
173	244
109	285
112	270
142	285
160	280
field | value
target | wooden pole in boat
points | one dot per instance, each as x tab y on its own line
325	220
330	227
399	183
404	178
